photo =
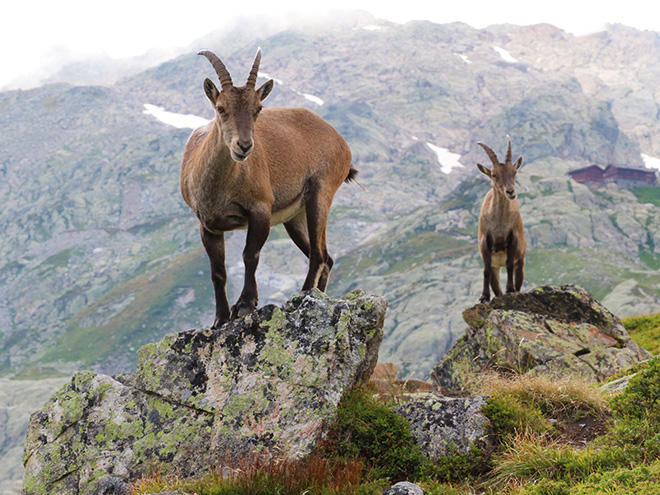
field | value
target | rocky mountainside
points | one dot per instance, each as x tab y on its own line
100	255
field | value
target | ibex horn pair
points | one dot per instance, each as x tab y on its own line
223	73
493	157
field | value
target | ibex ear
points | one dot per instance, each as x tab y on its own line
211	91
265	89
483	169
518	163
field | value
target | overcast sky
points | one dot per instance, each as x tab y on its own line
33	32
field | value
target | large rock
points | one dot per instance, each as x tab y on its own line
444	426
266	383
549	330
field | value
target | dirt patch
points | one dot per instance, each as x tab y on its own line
578	432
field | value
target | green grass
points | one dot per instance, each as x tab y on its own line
369	447
649	257
150	291
645	330
647	194
557	266
424	247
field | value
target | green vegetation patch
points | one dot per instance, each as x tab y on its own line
373	432
557	266
647	194
645	330
150	291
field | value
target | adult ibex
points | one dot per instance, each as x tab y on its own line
251	169
501	237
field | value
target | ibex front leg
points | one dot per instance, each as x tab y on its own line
258	230
487	257
215	248
488	269
512	247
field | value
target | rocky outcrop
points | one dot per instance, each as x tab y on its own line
444	426
550	330
267	383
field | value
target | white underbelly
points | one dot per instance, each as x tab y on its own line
285	214
499	259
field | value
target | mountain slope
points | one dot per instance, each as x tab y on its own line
100	255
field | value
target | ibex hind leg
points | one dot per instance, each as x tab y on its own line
320	261
519	274
328	262
297	230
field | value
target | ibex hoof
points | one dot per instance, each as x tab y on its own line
219	322
242	308
484	299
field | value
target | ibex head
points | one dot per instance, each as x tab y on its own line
236	108
503	175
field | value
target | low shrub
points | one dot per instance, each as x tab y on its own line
509	415
373	432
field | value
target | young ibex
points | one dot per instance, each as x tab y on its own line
501	237
251	169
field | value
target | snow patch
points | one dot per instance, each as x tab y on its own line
372	28
266	76
178	120
313	99
464	58
446	158
506	56
651	162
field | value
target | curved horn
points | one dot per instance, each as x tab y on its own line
252	78
508	150
491	154
220	69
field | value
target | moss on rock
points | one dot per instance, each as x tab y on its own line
269	382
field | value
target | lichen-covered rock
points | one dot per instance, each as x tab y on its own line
549	330
444	426
269	382
404	488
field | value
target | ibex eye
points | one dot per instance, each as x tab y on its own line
221	110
